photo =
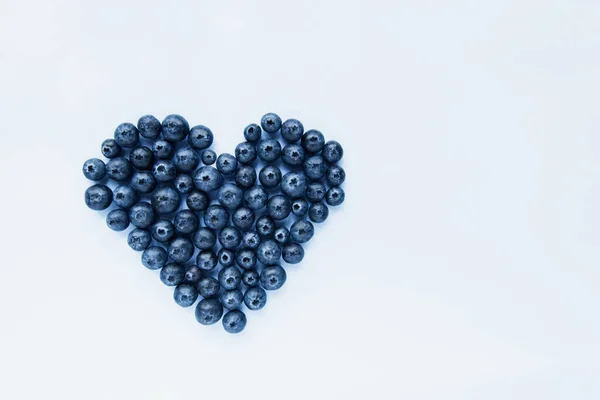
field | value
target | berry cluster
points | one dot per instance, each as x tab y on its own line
177	201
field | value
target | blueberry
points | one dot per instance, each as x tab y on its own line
141	158
292	130
94	169
232	299
125	196
255	298
185	294
234	321
197	200
186	222
230	237
250	277
200	137
270	122
193	274
209	287
98	197
206	260
245	153
181	249
318	212
315	191
250	240
246	258
293	155
141	215
279	207
205	238
117	220
209	311
230	196
172	274
268	150
163	231
208	179
230	277
186	159
302	231
292	253
314	167
164	171
245	177
183	183
333	152
335	175
265	226
216	217
256	197
226	257
243	218
299	207
110	148
272	278
119	169
154	257
281	235
313	141
126	135
293	184
175	128
209	157
269	176
163	150
143	182
227	164
335	196
149	127
268	252
252	133
165	200
139	239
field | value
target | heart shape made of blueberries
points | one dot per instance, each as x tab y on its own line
218	233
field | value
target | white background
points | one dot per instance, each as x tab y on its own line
463	265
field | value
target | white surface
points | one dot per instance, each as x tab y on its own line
463	265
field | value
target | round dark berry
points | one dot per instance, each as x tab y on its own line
302	231
175	128
293	184
230	237
279	207
250	277
197	200
243	218
94	169
245	177
193	274
226	257
110	148
252	133
209	287
181	249
154	257
293	155
209	311
245	153
172	274
206	260
208	179
186	222
256	197
292	253
186	159
230	277
163	150
139	239
183	183
141	215
269	176
119	169
209	157
335	175
281	235
268	150
318	212
250	240
98	197
143	182
299	207
200	137
230	196
268	252
246	258
163	231
255	298
125	196
272	278
270	122
216	217
185	294
313	141
149	127
314	167
335	196
126	135
141	158
265	226
232	299
165	200
164	171
333	152
117	220
205	238
315	191
227	164
292	130
234	321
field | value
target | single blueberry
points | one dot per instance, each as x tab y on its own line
313	141
175	128
197	200
183	183
193	274
234	321
292	130
268	150
255	298
230	237
335	175
126	135
230	277
164	171
270	122
98	197
209	157
318	212
256	197
110	148
208	179
185	294
268	252
265	226
205	238
141	215
314	167
333	152
117	220
181	249
250	277
94	169
209	311
335	196
141	157
245	177
200	137
165	200
163	231
269	176
232	299
226	257
281	235
273	277
246	258
186	222
293	155
245	153
149	127
139	239
299	207
206	260
209	287
163	150
143	182
230	196
216	217
243	218
293	184
154	257
279	207
186	159
252	133
119	169
292	253
302	231
172	274
315	191
227	164
250	240
125	196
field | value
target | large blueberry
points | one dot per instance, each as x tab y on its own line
209	157
252	133
98	197
273	277
193	274
243	218
265	226
209	287
175	128
119	169
141	215
200	137
234	321
335	196
139	239
141	157
299	207
230	196
124	196
181	249
313	141
206	260
164	171
126	135
205	238
143	182
245	177
318	212
250	277
185	294
94	169
227	164
246	258
279	207
269	176
186	222
292	130
255	298
226	257
293	155
292	253
186	159
270	122
333	152
183	183
149	127
209	311
230	237
172	274
335	175
163	150
230	277
163	231
302	231
268	150
216	217
314	167
315	191
293	184
110	148
197	200
154	257
117	220
250	240
268	252
256	197
232	299
245	152
208	179
165	200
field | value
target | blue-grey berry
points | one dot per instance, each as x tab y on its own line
256	197
98	197
226	257
227	164
200	137
281	235
206	260
245	153
216	217
234	321
230	277
183	183
313	141
314	167
154	257
293	155
318	212
205	238
255	298
299	207
230	196
268	150
208	179
335	175
141	158
163	150
302	231
209	311
139	239
209	157
245	177
293	184
149	127
230	237
193	274
252	133
110	148
332	152
181	249
232	299
315	191
270	122
335	196
94	169
186	222
250	240
272	277
175	128
246	258
119	169
186	159
279	207
250	277
163	231
143	182
126	135
141	215
265	226
243	218
124	196
165	200
292	130
292	253
209	287
185	294
268	252
164	171
197	200
172	274
269	176
117	220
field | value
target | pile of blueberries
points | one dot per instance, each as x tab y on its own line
177	201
